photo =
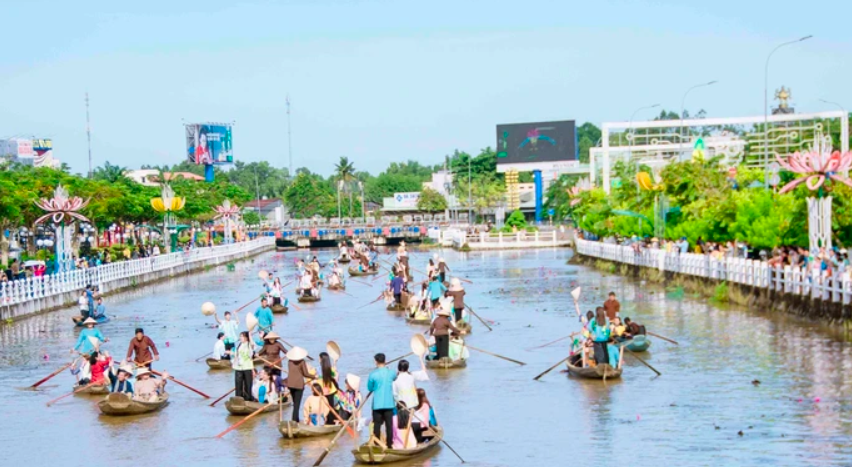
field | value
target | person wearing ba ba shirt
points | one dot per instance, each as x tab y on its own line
144	349
612	307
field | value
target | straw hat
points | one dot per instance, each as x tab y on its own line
208	308
271	335
354	381
126	368
455	285
576	293
142	371
443	312
441	259
296	354
333	350
419	345
251	321
90	321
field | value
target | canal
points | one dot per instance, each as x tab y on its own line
741	388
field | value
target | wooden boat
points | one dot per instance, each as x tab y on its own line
638	343
355	272
293	430
240	406
446	364
337	287
117	404
279	309
603	371
308	299
100	319
218	364
395	307
371	454
419	321
344	259
464	327
96	390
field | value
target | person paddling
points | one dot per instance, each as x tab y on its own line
243	364
142	349
272	351
297	372
84	341
441	329
457	292
265	318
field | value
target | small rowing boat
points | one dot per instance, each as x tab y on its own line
293	430
394	307
100	319
218	364
241	407
419	321
279	309
603	371
372	454
118	404
308	299
96	390
337	287
446	363
464	327
354	272
638	343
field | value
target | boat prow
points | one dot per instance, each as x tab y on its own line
603	371
120	404
372	454
294	430
241	407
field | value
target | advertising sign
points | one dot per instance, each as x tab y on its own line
536	146
209	143
407	200
43	149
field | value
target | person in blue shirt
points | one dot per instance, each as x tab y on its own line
90	298
84	344
100	309
380	383
396	286
599	332
264	317
436	291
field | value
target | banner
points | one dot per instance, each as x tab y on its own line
407	200
209	143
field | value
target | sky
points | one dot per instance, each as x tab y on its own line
383	81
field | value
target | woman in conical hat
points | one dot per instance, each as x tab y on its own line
456	291
89	338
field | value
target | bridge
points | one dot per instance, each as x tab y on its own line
317	232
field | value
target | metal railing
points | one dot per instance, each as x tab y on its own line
813	283
34	288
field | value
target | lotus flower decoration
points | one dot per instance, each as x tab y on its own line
226	210
818	166
168	201
61	206
574	192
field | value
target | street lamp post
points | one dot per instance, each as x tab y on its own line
766	107
683	103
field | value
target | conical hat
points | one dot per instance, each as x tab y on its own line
419	345
296	354
576	293
90	321
353	381
142	371
455	284
262	274
208	308
271	335
333	350
127	369
251	321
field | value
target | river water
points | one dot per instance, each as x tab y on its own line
493	412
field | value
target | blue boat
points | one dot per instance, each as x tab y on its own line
100	319
639	343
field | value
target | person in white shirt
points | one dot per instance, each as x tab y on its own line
306	283
219	351
230	328
83	304
404	388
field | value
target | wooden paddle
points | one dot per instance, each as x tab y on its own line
247	304
360	282
381	296
203	356
399	358
213	404
661	337
337	436
333	412
552	368
235	425
553	342
70	393
495	355
643	361
44	380
172	378
478	317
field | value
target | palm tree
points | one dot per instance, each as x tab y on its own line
345	174
110	173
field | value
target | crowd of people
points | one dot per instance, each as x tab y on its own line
603	331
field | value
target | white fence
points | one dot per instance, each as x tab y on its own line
497	240
34	288
787	279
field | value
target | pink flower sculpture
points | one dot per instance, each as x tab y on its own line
61	206
226	210
582	185
816	166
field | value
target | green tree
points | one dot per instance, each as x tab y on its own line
310	195
109	173
431	201
588	136
251	218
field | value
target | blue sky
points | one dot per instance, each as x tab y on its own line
382	81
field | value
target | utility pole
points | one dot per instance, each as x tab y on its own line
289	138
89	134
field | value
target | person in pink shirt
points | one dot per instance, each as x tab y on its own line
99	364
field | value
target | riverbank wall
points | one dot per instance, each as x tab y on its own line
743	282
32	297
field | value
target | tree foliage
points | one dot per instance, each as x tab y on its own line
431	201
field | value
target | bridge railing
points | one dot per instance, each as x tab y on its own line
813	283
33	288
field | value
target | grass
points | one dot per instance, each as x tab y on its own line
720	293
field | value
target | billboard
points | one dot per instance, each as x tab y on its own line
537	146
209	143
407	200
43	149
